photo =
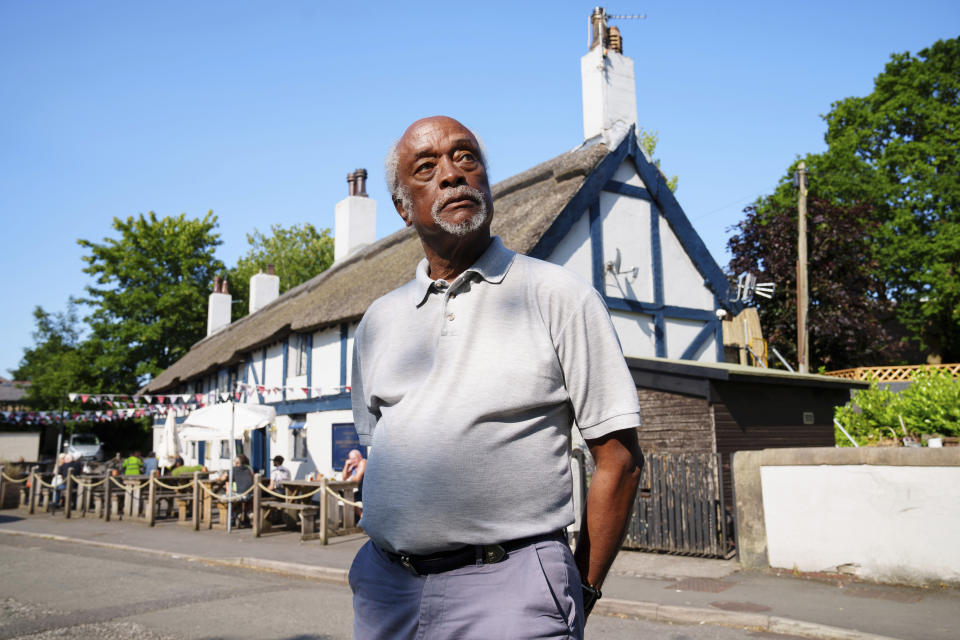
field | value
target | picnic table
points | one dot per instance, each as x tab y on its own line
296	507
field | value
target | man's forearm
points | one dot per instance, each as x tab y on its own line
613	489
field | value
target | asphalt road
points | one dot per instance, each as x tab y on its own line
53	589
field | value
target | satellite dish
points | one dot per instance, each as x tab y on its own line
613	266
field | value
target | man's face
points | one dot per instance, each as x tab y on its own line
439	168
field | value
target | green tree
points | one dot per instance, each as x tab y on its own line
848	310
896	150
297	253
906	137
149	301
57	363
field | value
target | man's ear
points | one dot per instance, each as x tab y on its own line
398	205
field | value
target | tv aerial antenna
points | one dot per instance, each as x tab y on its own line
598	33
747	287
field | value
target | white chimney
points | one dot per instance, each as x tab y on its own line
609	87
355	218
264	289
218	307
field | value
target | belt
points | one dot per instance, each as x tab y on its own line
471	554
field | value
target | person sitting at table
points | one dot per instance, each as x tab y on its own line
150	463
67	464
353	470
279	474
242	481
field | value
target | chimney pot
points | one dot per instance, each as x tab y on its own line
216	284
270	269
360	182
223	286
351	185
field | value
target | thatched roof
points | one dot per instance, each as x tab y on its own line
525	206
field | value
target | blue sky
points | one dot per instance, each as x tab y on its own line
258	110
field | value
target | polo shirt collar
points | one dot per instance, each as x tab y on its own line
492	266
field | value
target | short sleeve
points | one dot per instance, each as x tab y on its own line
364	421
601	389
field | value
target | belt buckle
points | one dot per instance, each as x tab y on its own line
407	563
493	553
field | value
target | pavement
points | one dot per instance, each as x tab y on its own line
658	587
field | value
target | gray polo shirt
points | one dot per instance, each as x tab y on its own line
467	393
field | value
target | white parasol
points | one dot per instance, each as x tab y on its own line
169	450
223	422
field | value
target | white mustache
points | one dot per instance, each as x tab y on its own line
458	193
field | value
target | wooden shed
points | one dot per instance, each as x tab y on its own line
697	407
695	415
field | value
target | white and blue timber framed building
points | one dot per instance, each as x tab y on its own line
603	210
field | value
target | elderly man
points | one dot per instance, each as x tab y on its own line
466	384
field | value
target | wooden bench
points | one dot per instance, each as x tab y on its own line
290	510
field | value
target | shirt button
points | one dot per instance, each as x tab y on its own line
450	317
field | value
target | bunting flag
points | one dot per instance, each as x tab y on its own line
119	406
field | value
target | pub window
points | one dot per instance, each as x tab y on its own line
300	444
224	449
297	354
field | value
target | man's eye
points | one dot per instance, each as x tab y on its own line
423	168
466	156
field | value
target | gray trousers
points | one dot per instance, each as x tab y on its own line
533	593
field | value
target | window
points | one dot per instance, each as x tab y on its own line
297	353
193	449
300	444
225	449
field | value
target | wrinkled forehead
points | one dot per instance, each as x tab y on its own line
430	135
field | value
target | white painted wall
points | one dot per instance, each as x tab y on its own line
274	377
351	330
680	333
635	331
627	173
573	251
683	285
898	523
14	445
326	358
626	226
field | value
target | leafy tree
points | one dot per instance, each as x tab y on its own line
150	298
57	363
897	150
848	306
297	253
931	404
648	141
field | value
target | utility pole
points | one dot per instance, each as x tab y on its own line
803	294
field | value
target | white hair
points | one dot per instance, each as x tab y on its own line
391	164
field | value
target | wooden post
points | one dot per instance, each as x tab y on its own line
107	486
803	295
33	491
152	498
256	505
196	501
324	510
67	503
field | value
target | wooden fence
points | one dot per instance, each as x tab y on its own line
680	506
903	373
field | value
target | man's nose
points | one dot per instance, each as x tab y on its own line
450	174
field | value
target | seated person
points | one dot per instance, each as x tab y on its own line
279	474
242	481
